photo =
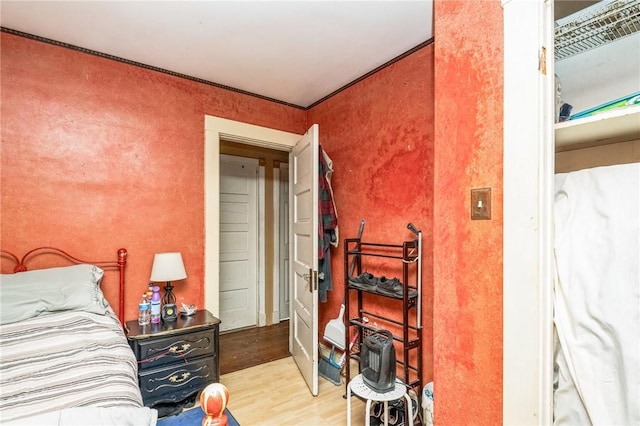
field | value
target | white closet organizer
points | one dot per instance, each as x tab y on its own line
617	125
600	25
607	23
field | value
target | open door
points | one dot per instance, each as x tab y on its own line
303	325
303	244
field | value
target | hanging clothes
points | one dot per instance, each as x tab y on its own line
327	223
328	174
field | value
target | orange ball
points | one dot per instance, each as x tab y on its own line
214	399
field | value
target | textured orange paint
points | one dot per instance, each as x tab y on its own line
98	155
379	134
468	254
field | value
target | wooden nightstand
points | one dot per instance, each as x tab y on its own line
175	360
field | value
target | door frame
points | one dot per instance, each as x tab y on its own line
217	128
529	167
278	176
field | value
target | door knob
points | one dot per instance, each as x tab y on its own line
312	278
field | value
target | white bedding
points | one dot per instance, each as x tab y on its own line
68	360
597	296
88	416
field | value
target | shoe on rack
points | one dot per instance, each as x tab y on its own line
392	287
364	281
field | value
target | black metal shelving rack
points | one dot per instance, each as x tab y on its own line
406	326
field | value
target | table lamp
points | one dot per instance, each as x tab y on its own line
168	267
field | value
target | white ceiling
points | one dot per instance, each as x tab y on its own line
294	51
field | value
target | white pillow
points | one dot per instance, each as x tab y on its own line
28	294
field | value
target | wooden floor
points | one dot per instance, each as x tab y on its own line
276	394
266	387
254	346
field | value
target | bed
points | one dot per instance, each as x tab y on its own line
597	296
64	358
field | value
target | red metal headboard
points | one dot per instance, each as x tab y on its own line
118	264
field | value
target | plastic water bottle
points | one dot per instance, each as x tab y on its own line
144	311
155	306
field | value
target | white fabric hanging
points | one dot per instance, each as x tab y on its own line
597	296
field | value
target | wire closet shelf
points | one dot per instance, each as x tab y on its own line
609	22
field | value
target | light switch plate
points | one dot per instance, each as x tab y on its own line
481	204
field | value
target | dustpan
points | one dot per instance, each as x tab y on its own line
334	333
334	330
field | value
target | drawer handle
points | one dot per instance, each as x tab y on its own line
176	379
175	350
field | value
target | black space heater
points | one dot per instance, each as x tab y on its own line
378	361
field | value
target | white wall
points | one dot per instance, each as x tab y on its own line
601	75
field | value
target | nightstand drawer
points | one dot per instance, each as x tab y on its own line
157	352
177	381
176	359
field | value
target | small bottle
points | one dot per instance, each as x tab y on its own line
150	292
144	311
155	306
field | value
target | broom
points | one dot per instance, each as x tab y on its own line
327	370
334	334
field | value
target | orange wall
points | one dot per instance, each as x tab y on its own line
98	155
468	254
89	143
379	134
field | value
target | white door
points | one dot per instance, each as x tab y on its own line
284	292
303	325
238	242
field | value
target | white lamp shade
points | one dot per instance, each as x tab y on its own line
168	267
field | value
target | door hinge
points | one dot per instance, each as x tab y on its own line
542	61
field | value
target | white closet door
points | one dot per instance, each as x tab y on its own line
238	242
